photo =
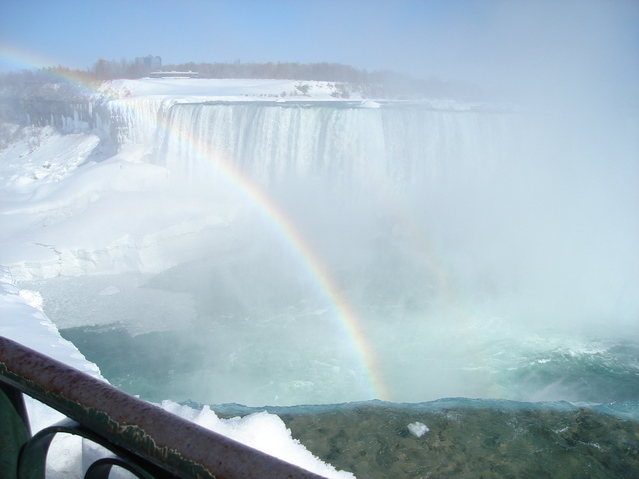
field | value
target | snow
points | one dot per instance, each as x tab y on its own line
41	155
418	429
370	104
96	218
200	89
64	214
22	320
263	431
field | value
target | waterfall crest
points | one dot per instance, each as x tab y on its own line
402	145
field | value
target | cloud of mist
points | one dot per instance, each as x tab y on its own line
569	50
524	51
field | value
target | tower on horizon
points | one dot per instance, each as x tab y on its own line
149	63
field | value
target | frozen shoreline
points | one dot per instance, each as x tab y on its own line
22	320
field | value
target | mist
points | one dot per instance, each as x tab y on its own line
549	53
483	251
485	246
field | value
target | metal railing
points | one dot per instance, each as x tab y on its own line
146	440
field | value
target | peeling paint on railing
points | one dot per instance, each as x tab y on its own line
168	441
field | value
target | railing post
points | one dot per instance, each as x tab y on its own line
14	430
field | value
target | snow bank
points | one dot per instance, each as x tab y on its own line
221	89
22	320
118	215
263	431
40	155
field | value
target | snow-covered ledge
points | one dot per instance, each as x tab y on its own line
22	320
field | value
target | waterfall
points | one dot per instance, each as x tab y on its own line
500	198
401	145
132	120
333	252
421	251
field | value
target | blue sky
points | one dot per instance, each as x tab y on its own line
486	42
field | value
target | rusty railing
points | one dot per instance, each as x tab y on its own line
146	440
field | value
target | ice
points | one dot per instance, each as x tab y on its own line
109	290
418	429
263	431
72	222
41	155
370	104
22	321
227	89
32	298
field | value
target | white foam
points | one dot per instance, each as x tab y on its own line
418	429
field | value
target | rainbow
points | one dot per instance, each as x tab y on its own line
346	319
13	58
349	324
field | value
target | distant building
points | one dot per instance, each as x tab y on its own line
149	63
174	74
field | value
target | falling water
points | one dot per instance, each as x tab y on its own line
399	252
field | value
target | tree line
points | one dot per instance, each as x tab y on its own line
64	84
